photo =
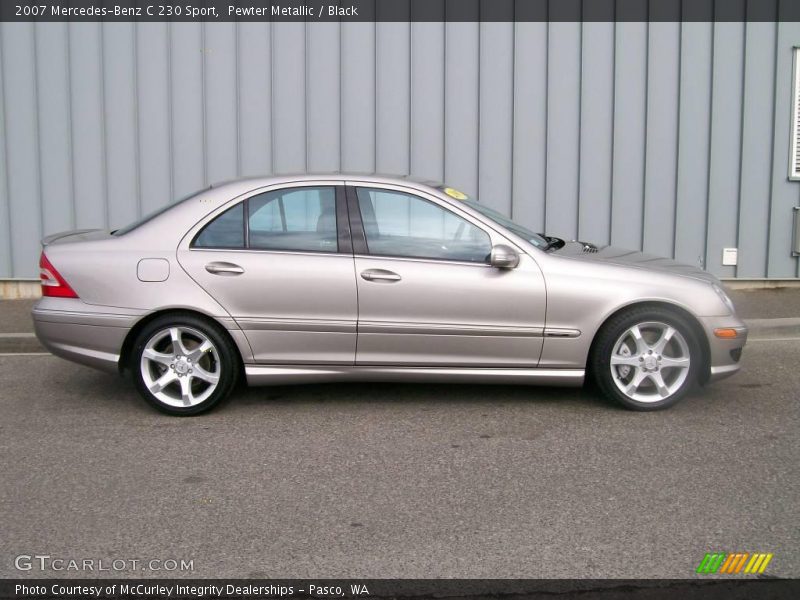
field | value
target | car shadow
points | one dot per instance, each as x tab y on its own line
423	393
95	389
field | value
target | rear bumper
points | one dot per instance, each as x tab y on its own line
82	333
724	354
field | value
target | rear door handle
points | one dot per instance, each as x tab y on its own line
224	268
380	275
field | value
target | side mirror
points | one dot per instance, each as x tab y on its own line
503	257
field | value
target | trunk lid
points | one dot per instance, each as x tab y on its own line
76	235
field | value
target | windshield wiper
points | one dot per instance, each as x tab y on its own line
552	242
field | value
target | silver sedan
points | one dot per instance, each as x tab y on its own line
362	278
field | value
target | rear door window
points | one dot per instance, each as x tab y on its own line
300	219
226	231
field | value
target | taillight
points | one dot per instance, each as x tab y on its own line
53	284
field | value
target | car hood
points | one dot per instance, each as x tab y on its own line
589	253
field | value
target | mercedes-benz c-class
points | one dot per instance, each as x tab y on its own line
309	278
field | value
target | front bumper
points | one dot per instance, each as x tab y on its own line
83	333
724	353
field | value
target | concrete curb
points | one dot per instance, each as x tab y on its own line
773	328
19	343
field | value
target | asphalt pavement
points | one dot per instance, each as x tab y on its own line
366	480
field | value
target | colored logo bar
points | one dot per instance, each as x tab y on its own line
734	562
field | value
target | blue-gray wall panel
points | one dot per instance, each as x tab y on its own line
630	107
602	131
87	105
55	136
22	145
726	131
530	124
222	106
693	142
496	115
6	247
255	104
188	131
289	97
757	119
563	129
597	132
121	125
322	81
661	147
427	99
462	102
358	97
393	97
152	78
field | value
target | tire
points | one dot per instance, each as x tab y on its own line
649	370
188	376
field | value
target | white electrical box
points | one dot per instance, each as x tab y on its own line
730	257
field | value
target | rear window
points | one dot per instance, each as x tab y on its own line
226	231
156	213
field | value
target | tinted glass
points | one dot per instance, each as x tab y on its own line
226	231
523	232
398	224
156	213
302	219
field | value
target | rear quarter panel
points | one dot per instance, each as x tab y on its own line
103	269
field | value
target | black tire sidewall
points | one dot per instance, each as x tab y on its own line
611	332
228	357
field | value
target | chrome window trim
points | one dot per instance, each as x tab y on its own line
444	261
262	251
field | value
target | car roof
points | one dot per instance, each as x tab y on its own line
196	206
259	181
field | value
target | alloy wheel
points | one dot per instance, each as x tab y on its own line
180	366
650	361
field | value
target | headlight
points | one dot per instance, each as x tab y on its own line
724	297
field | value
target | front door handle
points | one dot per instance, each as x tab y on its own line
380	275
224	268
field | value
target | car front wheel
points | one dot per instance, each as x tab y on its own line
183	365
646	358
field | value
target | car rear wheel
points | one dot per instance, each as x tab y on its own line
646	358
183	365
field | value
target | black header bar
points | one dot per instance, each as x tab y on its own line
401	10
732	588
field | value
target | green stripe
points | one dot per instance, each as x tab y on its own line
711	562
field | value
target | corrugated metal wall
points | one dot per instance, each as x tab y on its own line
664	136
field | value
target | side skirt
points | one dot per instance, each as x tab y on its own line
287	374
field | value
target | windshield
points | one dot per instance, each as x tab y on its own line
534	238
523	232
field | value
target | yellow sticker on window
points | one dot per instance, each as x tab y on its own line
453	193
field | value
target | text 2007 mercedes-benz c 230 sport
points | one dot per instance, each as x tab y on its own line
350	277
